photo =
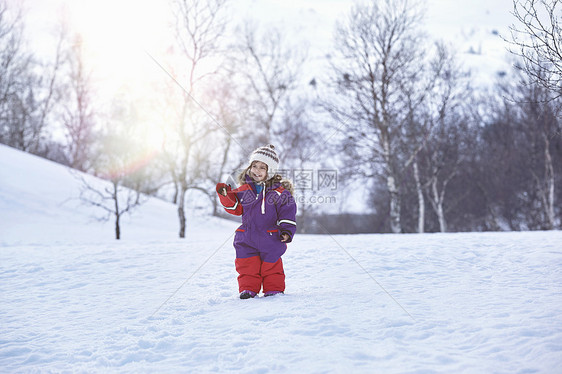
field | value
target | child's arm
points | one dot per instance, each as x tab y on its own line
229	200
286	213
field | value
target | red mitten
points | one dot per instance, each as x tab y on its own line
223	188
228	199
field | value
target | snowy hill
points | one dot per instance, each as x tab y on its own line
73	300
39	201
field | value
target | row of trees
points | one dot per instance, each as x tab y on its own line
424	138
394	113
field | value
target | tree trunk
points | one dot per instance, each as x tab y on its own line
181	211
176	192
438	205
117	228
421	201
395	225
549	176
117	212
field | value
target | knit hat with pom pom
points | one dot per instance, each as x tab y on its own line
268	156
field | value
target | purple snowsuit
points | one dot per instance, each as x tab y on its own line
265	216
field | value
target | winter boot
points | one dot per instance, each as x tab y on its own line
247	294
272	293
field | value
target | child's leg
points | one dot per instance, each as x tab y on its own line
249	270
273	276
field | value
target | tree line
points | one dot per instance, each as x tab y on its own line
392	112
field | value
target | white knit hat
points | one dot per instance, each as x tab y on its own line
267	155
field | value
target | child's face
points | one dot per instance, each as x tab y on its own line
258	171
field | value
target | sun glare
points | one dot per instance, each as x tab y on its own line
154	137
116	35
128	46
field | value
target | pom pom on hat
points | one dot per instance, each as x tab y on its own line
268	156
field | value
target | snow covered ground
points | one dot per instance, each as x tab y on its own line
72	299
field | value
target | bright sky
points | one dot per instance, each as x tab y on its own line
115	33
118	33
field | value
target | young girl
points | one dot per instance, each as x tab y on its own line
268	211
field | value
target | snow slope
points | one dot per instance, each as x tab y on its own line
39	201
434	303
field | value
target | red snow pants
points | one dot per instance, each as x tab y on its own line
254	272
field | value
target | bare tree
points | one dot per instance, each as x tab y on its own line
77	114
28	88
14	72
229	111
301	135
121	160
444	159
443	152
520	147
497	164
381	76
537	39
200	27
114	199
266	68
539	116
